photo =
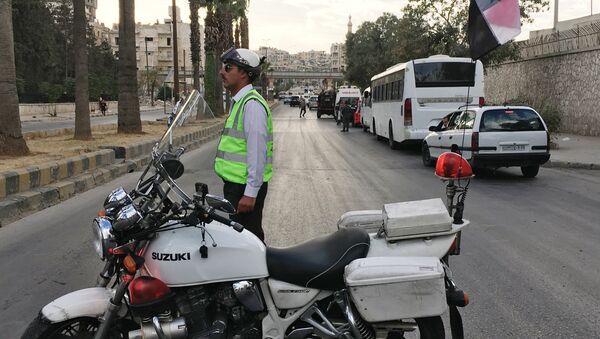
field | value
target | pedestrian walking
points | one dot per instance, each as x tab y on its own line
102	105
347	113
245	153
302	107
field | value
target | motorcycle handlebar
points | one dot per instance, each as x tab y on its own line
235	225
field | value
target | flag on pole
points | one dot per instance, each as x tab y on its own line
492	23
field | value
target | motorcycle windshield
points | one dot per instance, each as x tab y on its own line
184	112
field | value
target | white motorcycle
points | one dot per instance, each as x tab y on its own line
179	267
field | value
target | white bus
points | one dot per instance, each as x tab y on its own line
409	97
366	112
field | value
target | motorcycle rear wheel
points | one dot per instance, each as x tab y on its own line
429	328
78	328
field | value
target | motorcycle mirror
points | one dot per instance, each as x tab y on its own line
220	204
173	167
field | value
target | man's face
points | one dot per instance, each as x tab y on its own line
232	76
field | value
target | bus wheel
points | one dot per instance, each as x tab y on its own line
393	144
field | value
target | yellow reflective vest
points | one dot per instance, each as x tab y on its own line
231	160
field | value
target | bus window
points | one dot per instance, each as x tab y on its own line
445	74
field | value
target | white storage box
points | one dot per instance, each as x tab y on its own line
415	217
394	288
370	220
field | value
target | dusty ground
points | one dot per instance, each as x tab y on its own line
63	146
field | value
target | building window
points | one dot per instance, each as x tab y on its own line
149	39
168	41
116	40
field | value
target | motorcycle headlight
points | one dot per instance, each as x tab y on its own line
102	237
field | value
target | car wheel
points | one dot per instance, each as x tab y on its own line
530	171
393	144
426	156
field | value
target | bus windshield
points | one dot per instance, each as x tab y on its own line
445	74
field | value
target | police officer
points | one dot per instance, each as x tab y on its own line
245	153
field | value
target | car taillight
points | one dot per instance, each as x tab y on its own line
407	112
481	101
475	141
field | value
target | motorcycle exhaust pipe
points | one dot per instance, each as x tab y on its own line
175	329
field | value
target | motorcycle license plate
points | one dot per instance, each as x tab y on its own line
513	148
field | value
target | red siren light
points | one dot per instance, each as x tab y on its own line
452	166
144	290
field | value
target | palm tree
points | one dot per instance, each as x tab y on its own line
83	130
212	86
129	106
11	139
244	39
195	41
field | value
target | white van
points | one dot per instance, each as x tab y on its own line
350	94
410	97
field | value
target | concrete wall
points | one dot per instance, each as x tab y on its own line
59	108
571	79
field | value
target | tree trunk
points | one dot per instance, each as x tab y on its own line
129	106
11	139
212	82
83	130
245	42
195	42
224	42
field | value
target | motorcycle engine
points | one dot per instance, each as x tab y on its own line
221	310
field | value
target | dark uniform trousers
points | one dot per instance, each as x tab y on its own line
251	221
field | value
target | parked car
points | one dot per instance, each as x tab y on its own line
313	102
491	137
287	99
295	100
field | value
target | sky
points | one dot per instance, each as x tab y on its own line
303	25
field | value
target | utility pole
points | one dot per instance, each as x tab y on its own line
147	71
555	15
175	54
184	75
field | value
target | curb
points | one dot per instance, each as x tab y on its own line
19	204
569	164
26	179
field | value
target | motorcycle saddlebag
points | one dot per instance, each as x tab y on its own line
394	288
415	217
370	220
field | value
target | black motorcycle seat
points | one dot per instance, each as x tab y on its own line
319	263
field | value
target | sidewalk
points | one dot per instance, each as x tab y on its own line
71	115
575	151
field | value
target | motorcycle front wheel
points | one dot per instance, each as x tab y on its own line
78	328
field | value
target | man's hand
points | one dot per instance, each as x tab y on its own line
246	204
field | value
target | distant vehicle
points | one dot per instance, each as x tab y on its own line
491	137
313	102
326	103
286	99
350	94
409	97
295	100
366	111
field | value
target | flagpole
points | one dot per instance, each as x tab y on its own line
555	15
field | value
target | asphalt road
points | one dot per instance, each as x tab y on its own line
48	123
529	259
